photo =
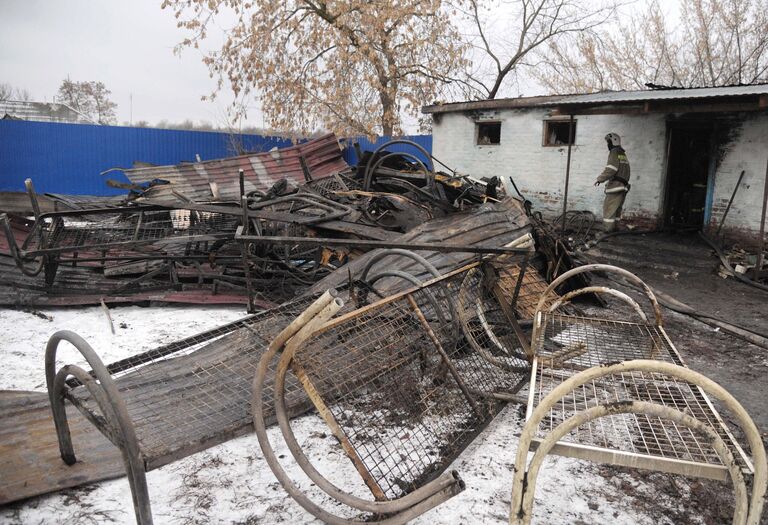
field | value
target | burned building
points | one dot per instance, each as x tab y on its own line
691	151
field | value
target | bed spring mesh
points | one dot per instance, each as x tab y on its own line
566	344
196	392
399	384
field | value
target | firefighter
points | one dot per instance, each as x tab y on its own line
616	178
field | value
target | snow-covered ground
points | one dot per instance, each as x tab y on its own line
231	483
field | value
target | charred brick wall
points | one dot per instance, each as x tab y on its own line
539	171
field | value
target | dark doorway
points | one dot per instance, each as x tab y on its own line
688	166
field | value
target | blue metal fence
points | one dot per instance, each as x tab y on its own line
68	158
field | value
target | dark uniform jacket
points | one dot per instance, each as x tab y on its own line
616	171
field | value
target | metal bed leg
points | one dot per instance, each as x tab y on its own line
119	427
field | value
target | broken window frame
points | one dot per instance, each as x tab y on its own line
546	132
478	127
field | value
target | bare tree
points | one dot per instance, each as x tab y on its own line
89	98
8	92
509	35
357	66
716	43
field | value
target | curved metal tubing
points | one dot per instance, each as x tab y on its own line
427	155
605	268
752	434
117	410
14	249
394	273
565	299
312	319
378	507
371	171
379	255
524	512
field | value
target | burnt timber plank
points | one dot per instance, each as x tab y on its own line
31	464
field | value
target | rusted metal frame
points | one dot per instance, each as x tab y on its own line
761	238
371	244
706	385
730	201
524	485
305	324
123	424
444	356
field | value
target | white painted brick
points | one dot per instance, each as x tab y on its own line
538	169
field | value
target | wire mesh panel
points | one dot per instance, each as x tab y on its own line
106	228
565	345
400	386
189	395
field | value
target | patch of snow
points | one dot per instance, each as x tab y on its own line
232	484
24	334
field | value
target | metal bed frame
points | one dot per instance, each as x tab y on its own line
401	389
618	392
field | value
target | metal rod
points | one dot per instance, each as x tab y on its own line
305	168
567	171
761	239
372	244
728	208
244	254
444	356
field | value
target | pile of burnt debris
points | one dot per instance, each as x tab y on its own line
258	228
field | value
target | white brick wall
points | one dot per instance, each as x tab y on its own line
539	171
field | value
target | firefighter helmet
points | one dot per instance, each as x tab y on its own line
613	139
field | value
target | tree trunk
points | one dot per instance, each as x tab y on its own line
387	117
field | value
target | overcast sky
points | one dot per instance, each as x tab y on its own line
128	45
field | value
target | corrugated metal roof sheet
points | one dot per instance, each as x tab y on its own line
322	155
603	98
610	97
